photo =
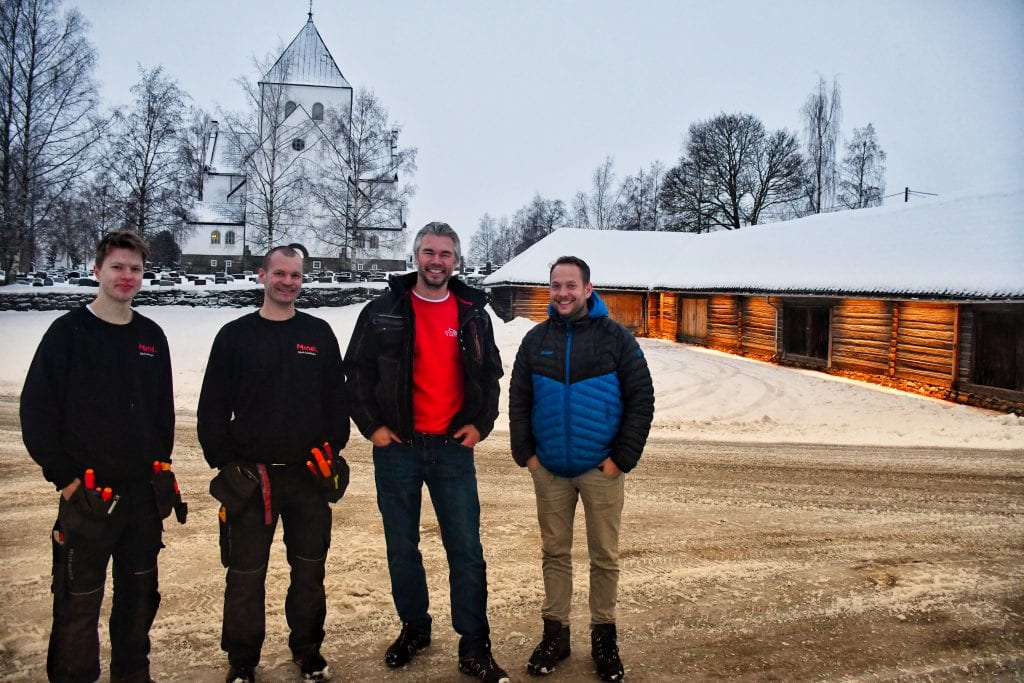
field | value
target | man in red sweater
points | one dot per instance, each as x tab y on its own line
423	370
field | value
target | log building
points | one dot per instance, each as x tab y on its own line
926	297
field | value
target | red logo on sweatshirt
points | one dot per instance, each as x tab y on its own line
306	349
147	350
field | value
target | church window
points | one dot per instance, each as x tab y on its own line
318	112
215	237
229	237
289	107
374	242
298	144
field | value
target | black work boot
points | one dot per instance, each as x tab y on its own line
553	648
410	641
605	651
480	664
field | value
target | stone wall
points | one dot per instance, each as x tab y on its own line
224	298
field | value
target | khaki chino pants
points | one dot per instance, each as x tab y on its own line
602	498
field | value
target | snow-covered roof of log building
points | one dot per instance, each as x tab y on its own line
969	247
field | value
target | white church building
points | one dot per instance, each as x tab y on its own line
245	191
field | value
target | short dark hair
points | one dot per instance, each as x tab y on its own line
441	230
572	261
284	250
122	239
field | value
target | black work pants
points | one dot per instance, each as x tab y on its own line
298	500
132	537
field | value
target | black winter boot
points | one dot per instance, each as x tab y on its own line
410	641
553	648
605	651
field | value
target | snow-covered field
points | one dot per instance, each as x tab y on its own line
700	394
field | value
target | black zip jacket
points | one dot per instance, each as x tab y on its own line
272	391
378	362
99	396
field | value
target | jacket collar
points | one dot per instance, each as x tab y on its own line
403	284
596	308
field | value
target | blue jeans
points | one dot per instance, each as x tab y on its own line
447	469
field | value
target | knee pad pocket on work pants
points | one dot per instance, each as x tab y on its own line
79	564
245	538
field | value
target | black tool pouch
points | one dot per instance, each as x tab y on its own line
84	514
234	485
335	486
166	495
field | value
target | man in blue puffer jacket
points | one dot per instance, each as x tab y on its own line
581	403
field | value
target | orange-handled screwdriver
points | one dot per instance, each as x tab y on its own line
324	465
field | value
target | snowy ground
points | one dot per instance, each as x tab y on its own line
783	525
701	394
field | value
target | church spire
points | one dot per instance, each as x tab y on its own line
311	10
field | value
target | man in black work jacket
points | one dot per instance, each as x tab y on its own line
423	370
98	409
273	396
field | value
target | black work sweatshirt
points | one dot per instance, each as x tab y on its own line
99	395
272	391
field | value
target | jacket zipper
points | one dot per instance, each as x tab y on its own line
567	404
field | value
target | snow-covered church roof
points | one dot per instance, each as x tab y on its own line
223	154
969	247
307	61
217	213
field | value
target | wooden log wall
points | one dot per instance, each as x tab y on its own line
532	302
862	332
926	348
724	323
663	315
759	328
965	362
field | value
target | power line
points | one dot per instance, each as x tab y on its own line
907	192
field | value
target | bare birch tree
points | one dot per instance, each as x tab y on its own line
822	115
639	209
483	244
604	197
362	184
580	215
48	118
147	156
862	171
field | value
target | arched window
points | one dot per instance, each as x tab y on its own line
374	242
318	112
215	237
289	107
229	237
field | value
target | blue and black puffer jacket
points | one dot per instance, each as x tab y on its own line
580	392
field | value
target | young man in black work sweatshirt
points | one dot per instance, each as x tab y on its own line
98	408
274	392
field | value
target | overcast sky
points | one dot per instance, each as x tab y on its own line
508	99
